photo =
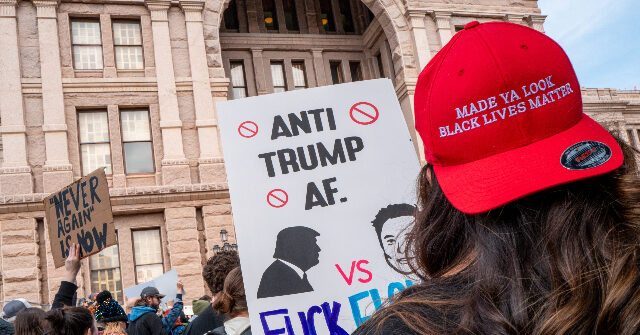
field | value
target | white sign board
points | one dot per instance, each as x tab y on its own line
322	181
166	284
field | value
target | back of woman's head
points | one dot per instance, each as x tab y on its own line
561	261
232	300
29	322
68	321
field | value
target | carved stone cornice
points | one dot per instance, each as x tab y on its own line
442	19
46	9
192	10
8	8
158	9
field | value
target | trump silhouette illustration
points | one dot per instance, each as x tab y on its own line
296	252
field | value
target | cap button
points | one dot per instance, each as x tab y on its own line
471	25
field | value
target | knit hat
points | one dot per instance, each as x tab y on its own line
107	309
199	306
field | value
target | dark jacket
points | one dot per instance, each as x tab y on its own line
280	279
221	331
208	320
6	328
64	297
144	321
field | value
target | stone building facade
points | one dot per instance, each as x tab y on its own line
132	86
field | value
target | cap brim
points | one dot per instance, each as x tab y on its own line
491	182
160	296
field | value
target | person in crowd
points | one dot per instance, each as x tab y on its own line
68	286
110	315
232	303
144	318
83	302
214	273
173	318
30	321
200	305
12	308
528	224
70	321
6	328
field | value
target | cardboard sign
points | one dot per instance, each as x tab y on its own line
322	185
166	284
80	213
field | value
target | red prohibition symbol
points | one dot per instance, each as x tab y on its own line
277	198
364	113
248	129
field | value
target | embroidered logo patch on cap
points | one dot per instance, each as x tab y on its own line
585	155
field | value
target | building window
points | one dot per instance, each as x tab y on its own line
127	41
277	77
230	17
105	272
238	81
299	76
147	250
336	72
290	15
326	14
380	66
270	16
356	71
93	128
347	18
87	44
136	141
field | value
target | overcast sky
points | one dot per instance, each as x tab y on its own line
602	38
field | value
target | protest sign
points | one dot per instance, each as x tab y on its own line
166	284
322	185
80	213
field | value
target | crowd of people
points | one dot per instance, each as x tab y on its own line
224	314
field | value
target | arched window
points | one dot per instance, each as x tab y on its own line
230	18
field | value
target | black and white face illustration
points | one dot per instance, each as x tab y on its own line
391	225
393	234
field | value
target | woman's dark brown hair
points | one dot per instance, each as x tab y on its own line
29	321
68	321
232	300
561	261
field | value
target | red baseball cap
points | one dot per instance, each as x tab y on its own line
499	110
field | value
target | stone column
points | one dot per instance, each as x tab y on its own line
216	218
259	73
175	167
119	178
419	32
211	165
20	260
57	171
184	249
443	23
311	16
108	52
537	22
252	16
15	173
318	66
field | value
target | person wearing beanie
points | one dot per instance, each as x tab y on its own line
200	305
110	314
